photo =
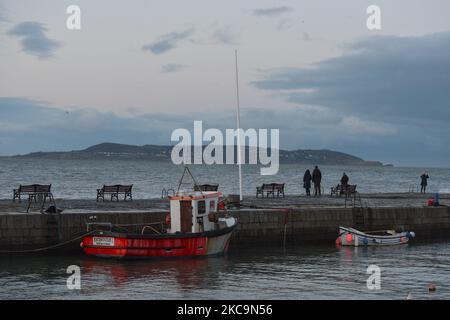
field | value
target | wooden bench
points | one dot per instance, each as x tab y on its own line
206	187
336	191
270	188
114	191
33	191
350	190
279	188
347	190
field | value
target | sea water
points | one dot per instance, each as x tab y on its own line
72	179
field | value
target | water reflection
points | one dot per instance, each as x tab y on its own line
319	272
187	274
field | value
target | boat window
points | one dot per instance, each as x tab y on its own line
212	206
201	207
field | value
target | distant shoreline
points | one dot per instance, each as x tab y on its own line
162	153
169	162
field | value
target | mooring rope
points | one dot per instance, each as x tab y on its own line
49	247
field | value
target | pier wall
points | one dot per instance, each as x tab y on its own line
314	226
256	227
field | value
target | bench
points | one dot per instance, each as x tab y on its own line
33	191
114	191
339	190
279	188
206	187
347	190
350	190
336	190
270	188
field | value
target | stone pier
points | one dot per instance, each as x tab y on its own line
257	225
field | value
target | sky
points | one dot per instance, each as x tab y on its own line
138	70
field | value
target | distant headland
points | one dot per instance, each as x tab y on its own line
163	153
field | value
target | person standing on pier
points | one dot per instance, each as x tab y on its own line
307	182
424	182
317	179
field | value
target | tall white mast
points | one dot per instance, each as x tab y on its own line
238	120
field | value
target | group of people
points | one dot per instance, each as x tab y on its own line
316	179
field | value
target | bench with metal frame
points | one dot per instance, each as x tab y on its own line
270	188
114	191
34	192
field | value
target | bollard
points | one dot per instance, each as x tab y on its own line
436	199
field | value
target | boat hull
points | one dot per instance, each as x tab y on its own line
353	237
118	245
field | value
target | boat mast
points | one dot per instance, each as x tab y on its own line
238	120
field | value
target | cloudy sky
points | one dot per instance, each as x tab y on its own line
139	69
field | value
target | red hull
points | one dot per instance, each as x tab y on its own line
108	244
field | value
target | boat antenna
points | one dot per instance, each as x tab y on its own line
238	121
186	170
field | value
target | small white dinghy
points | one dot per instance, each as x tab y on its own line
353	237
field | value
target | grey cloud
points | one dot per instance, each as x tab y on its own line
3	13
172	67
76	123
307	127
272	12
2	16
284	24
34	40
73	129
306	36
167	42
390	79
225	36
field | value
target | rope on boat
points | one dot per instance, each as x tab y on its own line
151	228
49	247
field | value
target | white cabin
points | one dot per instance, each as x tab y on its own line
189	211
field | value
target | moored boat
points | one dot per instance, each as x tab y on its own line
195	230
353	237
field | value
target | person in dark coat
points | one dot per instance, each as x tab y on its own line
307	182
424	182
344	181
317	179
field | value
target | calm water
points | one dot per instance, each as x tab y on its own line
80	179
322	272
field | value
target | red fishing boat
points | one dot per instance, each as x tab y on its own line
195	230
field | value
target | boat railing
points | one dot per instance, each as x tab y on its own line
125	227
100	224
151	228
165	192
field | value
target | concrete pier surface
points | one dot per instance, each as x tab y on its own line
264	221
373	200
